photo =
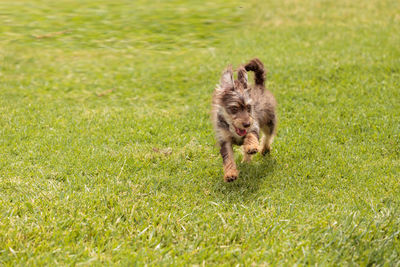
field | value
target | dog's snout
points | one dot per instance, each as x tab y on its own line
246	124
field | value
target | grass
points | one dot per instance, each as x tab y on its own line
107	154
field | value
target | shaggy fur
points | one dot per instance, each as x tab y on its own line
239	112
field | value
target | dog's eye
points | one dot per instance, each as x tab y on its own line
233	110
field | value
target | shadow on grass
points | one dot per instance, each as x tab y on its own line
250	178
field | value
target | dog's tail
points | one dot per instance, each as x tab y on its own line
257	67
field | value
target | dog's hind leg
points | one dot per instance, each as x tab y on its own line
269	132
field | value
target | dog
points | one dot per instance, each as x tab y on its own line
239	112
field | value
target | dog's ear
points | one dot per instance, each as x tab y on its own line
226	81
242	76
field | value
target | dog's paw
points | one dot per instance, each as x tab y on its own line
231	176
250	150
265	150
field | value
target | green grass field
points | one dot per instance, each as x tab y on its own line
107	153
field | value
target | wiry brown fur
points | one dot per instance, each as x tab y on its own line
239	112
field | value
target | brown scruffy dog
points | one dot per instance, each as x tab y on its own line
239	112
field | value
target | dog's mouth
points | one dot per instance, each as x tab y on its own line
240	132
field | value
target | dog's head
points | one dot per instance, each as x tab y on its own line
235	101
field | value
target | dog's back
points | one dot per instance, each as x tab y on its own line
264	101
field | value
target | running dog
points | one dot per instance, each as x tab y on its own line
239	112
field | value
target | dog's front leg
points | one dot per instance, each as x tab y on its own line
230	171
250	145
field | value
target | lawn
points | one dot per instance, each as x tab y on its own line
107	153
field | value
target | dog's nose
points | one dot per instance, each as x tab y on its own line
246	124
